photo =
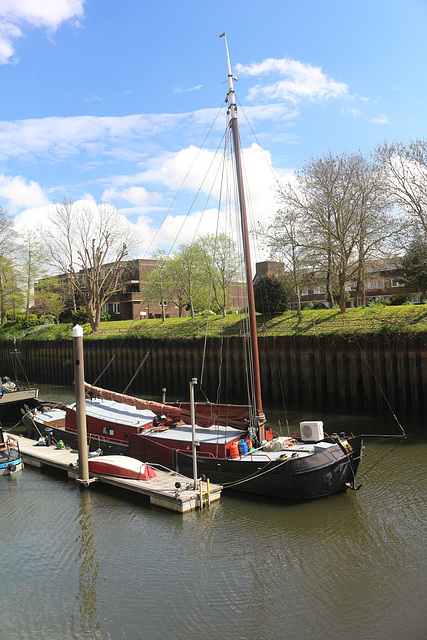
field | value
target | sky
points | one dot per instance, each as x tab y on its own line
107	101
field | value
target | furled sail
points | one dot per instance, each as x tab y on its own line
206	413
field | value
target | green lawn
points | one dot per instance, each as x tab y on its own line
375	319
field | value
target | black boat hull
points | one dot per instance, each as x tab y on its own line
301	478
306	478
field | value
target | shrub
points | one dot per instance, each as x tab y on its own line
65	317
79	316
378	302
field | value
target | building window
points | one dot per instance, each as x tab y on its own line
395	282
304	291
319	290
115	308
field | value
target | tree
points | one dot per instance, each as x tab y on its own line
9	272
33	264
270	295
89	243
185	269
160	284
341	210
415	266
405	170
49	298
221	266
286	243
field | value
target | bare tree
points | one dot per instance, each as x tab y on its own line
89	243
405	168
284	237
340	204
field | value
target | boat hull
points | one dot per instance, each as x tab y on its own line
289	477
307	478
11	403
10	458
121	467
35	429
286	475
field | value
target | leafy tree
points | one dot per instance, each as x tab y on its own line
221	266
185	269
415	266
270	295
9	272
32	262
160	284
49	298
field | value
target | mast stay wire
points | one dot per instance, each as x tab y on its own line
148	293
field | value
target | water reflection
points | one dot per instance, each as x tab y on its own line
96	565
86	623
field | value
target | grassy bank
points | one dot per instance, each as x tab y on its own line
375	319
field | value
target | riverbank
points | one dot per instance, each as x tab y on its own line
355	322
364	371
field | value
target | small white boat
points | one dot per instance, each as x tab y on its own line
121	467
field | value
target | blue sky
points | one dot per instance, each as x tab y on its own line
107	101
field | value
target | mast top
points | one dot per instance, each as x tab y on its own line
231	78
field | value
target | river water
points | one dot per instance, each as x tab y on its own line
94	564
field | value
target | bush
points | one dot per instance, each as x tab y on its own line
395	300
378	302
65	317
79	316
205	314
270	296
32	321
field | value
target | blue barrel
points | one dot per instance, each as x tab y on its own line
243	447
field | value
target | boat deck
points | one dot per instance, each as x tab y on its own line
161	490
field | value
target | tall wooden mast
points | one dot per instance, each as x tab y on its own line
259	416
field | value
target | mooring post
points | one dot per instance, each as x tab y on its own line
193	431
79	378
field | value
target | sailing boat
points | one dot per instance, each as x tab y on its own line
235	446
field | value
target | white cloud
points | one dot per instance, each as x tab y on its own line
64	137
137	196
358	114
196	88
381	119
44	14
18	192
301	81
8	33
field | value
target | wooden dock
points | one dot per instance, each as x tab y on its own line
161	490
